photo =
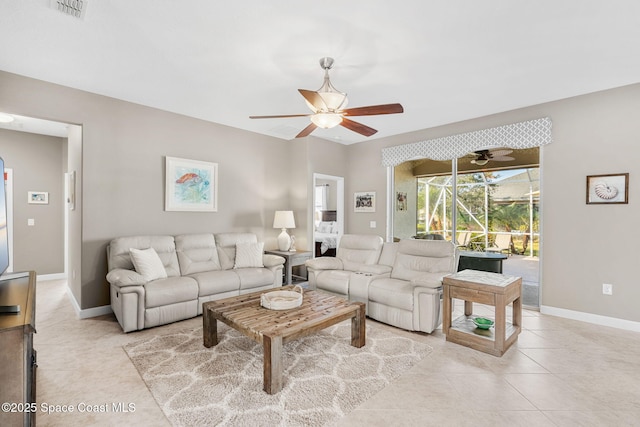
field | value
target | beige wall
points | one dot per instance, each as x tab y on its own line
123	165
404	222
583	245
37	163
122	180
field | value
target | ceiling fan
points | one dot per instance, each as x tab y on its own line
328	106
482	157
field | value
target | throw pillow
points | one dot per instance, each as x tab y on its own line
249	255
148	263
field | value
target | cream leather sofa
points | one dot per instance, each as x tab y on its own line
400	282
192	269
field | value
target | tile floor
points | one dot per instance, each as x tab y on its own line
560	373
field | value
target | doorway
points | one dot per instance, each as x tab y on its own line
52	220
328	213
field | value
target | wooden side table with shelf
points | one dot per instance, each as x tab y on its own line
292	259
494	289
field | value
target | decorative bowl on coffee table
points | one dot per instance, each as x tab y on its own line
282	300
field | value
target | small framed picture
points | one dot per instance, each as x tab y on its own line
364	201
401	201
608	189
38	197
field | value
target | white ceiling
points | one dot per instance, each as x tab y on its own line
224	61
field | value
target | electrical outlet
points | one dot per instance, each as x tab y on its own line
372	224
607	289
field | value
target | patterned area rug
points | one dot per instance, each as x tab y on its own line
324	376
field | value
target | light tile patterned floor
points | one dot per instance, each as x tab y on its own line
560	373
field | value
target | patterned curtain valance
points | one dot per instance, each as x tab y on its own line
532	133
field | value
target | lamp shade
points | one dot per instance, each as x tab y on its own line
284	219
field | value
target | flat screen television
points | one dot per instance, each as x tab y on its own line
4	236
4	244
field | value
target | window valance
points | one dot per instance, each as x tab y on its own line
532	133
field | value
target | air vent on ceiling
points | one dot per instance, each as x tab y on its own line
75	8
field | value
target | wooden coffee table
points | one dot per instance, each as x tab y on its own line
274	328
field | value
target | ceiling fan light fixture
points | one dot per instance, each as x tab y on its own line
326	120
333	99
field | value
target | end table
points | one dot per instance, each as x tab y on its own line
487	288
292	259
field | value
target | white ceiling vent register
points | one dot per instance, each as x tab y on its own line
75	8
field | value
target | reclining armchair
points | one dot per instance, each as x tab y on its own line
409	298
355	265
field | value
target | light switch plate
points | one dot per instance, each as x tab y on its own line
31	222
372	224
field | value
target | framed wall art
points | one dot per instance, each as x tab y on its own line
38	197
608	189
364	201
191	185
401	201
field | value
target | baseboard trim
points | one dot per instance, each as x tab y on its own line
56	276
591	318
89	312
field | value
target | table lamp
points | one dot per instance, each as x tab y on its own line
284	220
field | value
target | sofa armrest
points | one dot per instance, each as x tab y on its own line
122	277
324	263
428	280
270	260
375	269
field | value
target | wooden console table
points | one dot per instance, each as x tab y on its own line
487	288
17	356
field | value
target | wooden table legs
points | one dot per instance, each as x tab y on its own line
358	337
273	339
209	329
272	365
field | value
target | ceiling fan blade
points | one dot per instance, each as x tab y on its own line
357	127
306	131
502	158
500	152
279	117
314	99
373	110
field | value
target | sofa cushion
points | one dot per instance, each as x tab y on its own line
336	281
197	253
227	256
392	292
227	246
255	277
148	263
249	255
324	263
170	291
119	256
415	257
218	281
356	250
